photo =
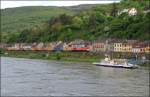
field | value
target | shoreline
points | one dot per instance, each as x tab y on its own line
85	57
62	60
56	56
66	61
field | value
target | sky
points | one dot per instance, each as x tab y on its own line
11	4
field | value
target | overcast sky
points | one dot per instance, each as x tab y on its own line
10	4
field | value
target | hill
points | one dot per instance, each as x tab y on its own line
17	19
88	22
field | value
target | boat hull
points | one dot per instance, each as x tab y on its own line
115	66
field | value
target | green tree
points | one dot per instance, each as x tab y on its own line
23	35
77	22
114	10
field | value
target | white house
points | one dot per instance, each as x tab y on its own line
132	12
137	48
27	46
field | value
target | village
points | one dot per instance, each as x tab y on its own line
105	45
109	45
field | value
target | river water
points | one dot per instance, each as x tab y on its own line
30	77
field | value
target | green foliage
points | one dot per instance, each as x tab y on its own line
15	20
77	22
114	10
57	55
48	24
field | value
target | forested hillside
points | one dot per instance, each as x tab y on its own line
45	24
14	20
19	18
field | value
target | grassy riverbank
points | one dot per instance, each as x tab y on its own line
64	56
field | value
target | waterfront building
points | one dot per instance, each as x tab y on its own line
80	45
48	46
99	46
9	47
58	46
137	49
4	45
53	44
108	46
147	48
15	46
40	46
37	46
34	48
140	47
26	46
118	46
126	47
67	47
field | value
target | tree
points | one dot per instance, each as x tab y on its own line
77	22
65	19
56	27
23	35
12	38
114	10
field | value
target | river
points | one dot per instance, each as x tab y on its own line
32	77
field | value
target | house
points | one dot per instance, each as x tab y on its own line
26	46
80	45
3	46
67	47
147	48
99	46
137	49
15	46
127	45
49	46
58	46
132	12
34	48
140	47
123	45
146	45
118	45
41	46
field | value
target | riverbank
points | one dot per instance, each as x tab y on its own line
62	56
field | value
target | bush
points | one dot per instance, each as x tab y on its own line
58	56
